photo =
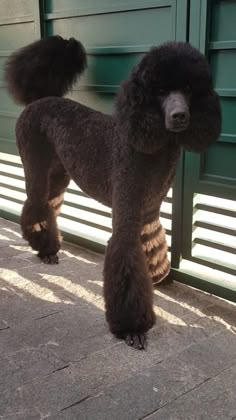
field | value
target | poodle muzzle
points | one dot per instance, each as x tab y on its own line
176	111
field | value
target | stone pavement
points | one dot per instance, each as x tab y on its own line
58	360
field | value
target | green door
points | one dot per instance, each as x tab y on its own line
209	187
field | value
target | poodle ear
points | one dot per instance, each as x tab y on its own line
139	121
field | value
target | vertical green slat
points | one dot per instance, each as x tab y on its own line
195	13
191	175
42	8
173	19
37	20
192	165
203	26
181	20
198	24
179	33
177	210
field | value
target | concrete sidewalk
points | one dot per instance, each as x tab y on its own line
59	361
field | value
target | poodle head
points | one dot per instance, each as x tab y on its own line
169	97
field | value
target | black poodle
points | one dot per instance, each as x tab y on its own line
127	161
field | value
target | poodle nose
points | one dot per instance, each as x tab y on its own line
180	117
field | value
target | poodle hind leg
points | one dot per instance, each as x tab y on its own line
59	180
38	219
39	228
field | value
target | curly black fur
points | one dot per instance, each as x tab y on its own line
48	67
170	67
126	161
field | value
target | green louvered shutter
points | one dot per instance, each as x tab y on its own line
209	194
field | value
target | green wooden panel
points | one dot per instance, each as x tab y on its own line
99	76
19	9
7	124
2	63
19	24
7	103
223	65
223	21
225	168
11	40
62	8
119	29
103	102
228	106
8	146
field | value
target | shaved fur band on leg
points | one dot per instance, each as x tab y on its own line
56	203
154	244
37	227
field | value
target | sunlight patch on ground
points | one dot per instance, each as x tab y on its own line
167	316
180	303
97	282
23	248
5	238
13	232
77	290
77	257
23	287
197	311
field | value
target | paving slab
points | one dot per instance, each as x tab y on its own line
213	400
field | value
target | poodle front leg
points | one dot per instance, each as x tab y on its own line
128	289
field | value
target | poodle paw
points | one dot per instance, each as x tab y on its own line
137	341
49	259
133	333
